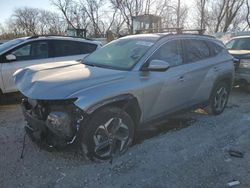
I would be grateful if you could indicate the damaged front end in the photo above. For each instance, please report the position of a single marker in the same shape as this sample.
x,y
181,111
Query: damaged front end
x,y
52,123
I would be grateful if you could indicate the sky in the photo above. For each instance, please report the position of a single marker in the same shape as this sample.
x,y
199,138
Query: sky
x,y
8,6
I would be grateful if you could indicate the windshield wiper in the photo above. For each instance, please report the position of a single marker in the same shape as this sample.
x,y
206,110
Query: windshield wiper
x,y
88,64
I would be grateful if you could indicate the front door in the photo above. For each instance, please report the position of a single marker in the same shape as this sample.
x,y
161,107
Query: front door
x,y
170,90
26,55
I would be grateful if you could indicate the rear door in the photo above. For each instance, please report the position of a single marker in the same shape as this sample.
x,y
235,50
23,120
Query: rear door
x,y
65,50
198,62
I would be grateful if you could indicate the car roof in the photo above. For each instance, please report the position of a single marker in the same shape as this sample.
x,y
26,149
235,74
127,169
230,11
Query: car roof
x,y
34,38
157,36
154,36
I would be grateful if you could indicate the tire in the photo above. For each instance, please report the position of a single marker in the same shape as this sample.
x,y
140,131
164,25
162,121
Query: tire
x,y
1,97
247,88
218,98
108,133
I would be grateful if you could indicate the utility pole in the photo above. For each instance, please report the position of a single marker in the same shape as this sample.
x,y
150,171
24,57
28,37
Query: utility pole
x,y
203,4
178,13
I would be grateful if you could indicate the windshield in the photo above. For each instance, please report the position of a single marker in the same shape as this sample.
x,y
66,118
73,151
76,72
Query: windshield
x,y
238,44
7,45
121,54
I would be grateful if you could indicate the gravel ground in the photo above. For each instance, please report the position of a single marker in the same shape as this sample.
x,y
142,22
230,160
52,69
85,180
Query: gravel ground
x,y
194,156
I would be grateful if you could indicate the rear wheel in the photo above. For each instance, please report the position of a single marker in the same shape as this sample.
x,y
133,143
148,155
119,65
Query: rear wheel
x,y
109,132
219,98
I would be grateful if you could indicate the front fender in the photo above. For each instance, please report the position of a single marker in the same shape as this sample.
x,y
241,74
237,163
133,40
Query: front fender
x,y
97,105
89,101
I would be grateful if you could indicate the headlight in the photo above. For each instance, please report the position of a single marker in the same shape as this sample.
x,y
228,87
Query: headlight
x,y
57,118
245,63
60,124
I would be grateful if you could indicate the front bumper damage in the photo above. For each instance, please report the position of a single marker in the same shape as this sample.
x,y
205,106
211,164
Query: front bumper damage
x,y
48,132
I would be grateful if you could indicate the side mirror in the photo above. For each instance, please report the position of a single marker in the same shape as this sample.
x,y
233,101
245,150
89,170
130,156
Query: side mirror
x,y
10,57
157,65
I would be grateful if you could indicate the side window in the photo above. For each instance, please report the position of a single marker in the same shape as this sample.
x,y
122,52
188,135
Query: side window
x,y
86,48
40,50
23,52
170,52
32,51
196,50
67,48
215,49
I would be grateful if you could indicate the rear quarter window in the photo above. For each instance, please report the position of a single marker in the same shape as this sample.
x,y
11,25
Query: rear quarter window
x,y
215,49
87,48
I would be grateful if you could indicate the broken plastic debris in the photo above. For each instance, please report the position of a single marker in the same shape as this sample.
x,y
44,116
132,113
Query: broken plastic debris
x,y
235,153
233,183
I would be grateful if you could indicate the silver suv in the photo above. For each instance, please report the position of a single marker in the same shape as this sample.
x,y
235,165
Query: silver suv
x,y
124,86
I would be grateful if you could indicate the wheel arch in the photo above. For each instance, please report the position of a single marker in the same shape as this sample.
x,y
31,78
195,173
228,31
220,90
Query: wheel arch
x,y
227,78
126,102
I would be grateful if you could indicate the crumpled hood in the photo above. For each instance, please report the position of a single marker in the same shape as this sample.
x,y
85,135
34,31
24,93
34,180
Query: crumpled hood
x,y
60,81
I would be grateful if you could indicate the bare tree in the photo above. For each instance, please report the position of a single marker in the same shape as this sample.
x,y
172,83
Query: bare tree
x,y
201,13
51,23
92,8
65,7
82,14
178,11
174,13
248,13
2,30
223,13
27,19
128,9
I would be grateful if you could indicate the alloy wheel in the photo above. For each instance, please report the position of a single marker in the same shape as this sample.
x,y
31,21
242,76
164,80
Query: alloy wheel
x,y
111,138
220,99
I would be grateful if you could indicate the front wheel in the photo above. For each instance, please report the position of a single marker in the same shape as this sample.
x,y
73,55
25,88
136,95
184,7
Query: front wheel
x,y
1,97
219,98
247,88
109,132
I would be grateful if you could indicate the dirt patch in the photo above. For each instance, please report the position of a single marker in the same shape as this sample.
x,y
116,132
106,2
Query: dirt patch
x,y
194,155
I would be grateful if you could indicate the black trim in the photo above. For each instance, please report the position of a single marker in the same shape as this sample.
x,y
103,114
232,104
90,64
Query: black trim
x,y
124,97
164,117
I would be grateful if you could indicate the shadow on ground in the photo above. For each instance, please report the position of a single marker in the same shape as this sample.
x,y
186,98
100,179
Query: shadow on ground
x,y
172,124
11,98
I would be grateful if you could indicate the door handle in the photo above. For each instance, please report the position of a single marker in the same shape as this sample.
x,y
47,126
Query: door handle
x,y
216,69
181,78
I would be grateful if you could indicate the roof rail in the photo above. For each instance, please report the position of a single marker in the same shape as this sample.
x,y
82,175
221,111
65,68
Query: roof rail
x,y
160,30
200,31
37,36
171,30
